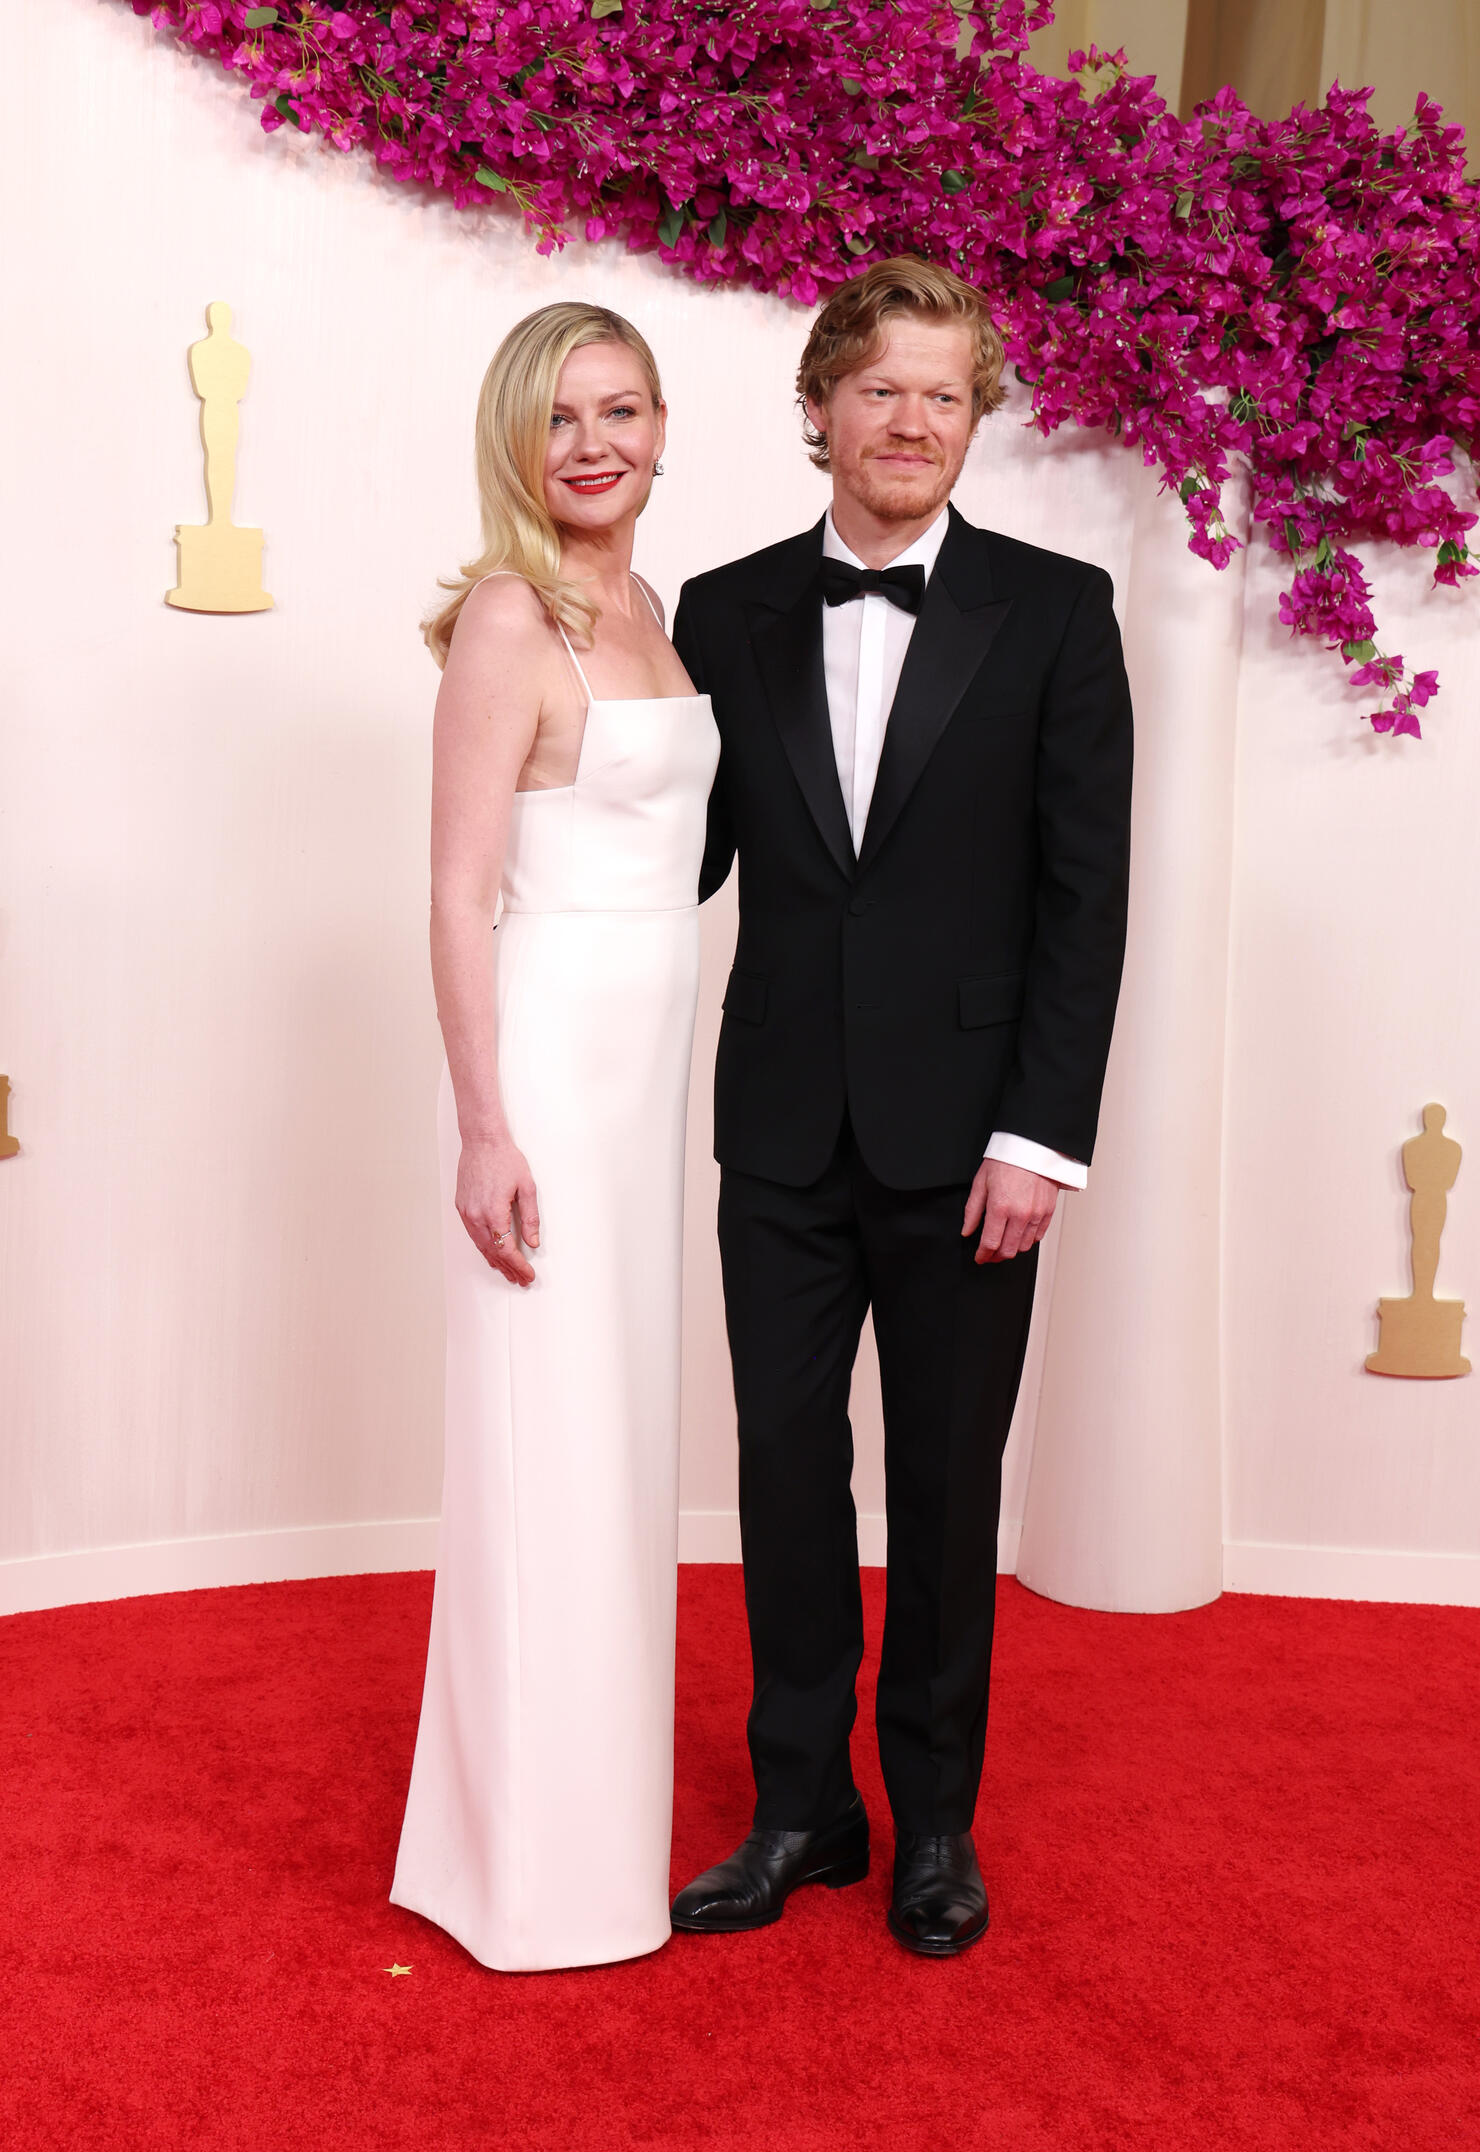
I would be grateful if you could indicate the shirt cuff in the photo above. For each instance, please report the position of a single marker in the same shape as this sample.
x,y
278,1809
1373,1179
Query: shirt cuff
x,y
1038,1158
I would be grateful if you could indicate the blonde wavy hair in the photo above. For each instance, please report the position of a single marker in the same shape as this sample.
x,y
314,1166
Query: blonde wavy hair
x,y
849,333
510,434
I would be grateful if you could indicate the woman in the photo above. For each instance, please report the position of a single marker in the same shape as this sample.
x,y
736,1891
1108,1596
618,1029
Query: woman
x,y
574,786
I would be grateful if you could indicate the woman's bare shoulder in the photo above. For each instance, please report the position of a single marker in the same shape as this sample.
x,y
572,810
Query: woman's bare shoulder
x,y
501,619
500,650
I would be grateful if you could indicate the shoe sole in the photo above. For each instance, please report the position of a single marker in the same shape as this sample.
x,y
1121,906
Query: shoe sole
x,y
923,1949
836,1877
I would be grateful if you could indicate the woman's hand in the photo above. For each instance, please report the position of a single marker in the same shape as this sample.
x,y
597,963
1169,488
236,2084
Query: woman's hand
x,y
497,1203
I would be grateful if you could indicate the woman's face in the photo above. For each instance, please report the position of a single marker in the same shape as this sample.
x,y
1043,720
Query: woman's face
x,y
605,437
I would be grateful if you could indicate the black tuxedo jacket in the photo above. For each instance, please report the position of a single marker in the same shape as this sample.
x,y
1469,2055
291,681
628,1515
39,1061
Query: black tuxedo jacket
x,y
960,974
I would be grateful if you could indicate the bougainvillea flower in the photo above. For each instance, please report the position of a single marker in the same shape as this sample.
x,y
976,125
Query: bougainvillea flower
x,y
1295,298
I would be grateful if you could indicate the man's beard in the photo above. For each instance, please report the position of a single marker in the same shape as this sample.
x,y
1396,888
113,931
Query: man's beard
x,y
900,499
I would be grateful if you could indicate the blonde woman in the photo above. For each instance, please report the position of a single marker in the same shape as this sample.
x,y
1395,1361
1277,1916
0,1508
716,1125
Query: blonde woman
x,y
572,762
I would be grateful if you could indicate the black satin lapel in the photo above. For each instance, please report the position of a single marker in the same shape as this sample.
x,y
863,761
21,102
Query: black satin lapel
x,y
788,651
946,650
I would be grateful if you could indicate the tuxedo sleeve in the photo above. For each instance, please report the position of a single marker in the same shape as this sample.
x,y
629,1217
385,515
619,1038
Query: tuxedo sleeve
x,y
719,841
1083,809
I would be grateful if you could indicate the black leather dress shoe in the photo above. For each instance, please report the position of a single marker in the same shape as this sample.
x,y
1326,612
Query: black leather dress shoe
x,y
751,1888
940,1900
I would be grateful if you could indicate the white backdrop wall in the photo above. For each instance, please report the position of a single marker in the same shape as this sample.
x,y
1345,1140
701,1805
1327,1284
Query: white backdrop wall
x,y
1354,998
219,1290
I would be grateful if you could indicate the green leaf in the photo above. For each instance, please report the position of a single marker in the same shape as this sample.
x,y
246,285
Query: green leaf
x,y
1060,289
852,85
288,109
855,245
1292,534
670,224
605,7
492,180
1188,487
718,225
1324,552
955,182
1358,653
260,18
1183,205
862,158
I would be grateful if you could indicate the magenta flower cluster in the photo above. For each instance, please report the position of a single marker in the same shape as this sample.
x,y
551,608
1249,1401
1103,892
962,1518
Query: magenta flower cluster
x,y
1300,298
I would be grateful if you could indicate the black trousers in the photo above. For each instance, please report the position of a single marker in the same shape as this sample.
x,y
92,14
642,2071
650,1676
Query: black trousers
x,y
801,1267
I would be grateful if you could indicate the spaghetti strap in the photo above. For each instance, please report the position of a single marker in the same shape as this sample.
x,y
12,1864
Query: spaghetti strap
x,y
569,648
570,653
585,683
580,675
642,586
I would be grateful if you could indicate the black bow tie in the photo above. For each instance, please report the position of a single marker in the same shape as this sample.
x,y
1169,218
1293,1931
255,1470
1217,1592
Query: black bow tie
x,y
904,587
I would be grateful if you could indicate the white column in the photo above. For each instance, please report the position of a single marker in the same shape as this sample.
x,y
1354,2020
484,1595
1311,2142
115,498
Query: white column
x,y
1124,1505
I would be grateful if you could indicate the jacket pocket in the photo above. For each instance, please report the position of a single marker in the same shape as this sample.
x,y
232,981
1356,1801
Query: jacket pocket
x,y
997,1000
745,997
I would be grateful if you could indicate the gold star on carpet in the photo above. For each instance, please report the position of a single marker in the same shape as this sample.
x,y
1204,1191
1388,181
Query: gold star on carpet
x,y
395,1971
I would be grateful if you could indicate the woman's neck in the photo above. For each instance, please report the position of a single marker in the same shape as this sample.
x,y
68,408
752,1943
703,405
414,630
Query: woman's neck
x,y
601,562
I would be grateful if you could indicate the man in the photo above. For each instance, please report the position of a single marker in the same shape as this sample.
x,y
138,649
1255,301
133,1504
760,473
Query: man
x,y
925,772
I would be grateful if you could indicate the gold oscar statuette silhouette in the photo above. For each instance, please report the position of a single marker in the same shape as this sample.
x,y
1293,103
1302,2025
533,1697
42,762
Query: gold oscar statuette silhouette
x,y
9,1144
1421,1335
220,561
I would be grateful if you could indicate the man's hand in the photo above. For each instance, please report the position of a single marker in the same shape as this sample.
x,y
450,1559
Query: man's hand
x,y
1012,1206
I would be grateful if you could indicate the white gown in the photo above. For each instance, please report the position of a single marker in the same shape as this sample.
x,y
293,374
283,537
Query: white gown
x,y
538,1822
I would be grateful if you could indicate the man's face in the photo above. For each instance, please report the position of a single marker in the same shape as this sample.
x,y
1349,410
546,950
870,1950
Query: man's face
x,y
898,427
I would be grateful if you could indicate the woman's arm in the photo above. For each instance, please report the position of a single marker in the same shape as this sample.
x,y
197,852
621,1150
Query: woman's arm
x,y
486,719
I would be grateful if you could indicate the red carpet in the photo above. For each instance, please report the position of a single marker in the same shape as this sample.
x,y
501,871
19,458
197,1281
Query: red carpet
x,y
1232,1854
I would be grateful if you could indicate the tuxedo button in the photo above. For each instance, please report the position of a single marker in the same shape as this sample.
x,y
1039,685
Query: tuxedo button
x,y
857,906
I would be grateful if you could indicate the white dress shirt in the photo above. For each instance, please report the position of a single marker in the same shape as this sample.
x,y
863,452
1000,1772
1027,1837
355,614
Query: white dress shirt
x,y
863,651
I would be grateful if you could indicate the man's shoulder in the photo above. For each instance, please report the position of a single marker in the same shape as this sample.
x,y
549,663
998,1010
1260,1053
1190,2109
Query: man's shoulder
x,y
760,574
1015,565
